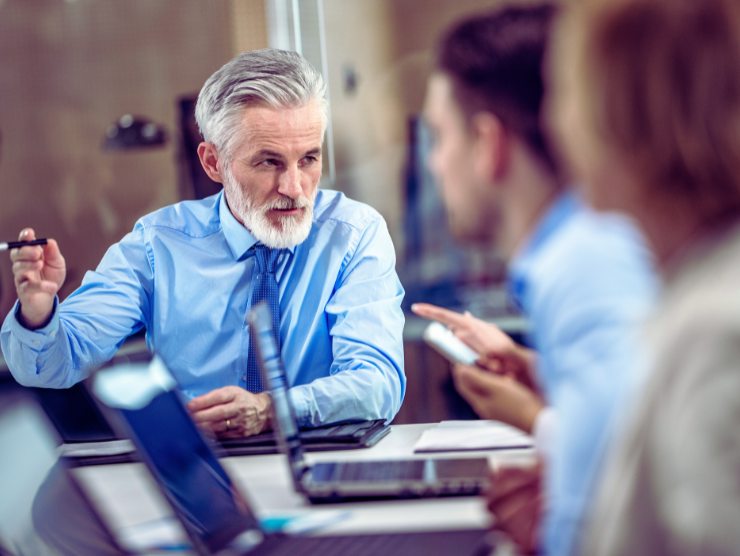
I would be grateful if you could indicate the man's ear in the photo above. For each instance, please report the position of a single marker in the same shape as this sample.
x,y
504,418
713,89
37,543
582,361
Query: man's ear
x,y
208,156
491,145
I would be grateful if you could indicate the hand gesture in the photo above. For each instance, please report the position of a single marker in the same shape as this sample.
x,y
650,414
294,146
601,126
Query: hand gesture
x,y
498,397
38,273
498,352
231,412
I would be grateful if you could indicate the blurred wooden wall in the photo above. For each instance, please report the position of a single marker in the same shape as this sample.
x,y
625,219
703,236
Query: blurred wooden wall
x,y
68,69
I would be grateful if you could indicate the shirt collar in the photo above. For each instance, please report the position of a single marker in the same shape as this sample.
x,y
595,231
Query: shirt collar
x,y
520,268
238,237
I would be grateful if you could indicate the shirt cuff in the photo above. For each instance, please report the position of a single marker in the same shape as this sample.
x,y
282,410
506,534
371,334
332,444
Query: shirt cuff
x,y
35,339
299,396
545,429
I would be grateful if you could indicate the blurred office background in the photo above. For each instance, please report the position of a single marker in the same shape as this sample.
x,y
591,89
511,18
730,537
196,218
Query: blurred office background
x,y
97,130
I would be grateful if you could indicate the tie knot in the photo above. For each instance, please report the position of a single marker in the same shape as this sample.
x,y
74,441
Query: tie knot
x,y
267,258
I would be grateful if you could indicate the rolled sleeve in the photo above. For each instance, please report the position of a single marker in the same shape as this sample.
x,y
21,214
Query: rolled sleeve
x,y
34,339
305,410
22,347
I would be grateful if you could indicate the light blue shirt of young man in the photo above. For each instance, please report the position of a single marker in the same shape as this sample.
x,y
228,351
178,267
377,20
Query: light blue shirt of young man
x,y
185,274
585,282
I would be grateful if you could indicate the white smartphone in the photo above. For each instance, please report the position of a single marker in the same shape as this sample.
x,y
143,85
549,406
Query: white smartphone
x,y
447,344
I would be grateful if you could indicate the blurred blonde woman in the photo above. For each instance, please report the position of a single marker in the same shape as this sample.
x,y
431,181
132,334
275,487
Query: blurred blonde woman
x,y
647,102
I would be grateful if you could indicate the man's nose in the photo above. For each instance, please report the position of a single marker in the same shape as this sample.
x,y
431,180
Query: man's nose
x,y
289,183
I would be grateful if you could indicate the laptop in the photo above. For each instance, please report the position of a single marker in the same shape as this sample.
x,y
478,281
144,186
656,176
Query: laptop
x,y
144,403
347,481
43,508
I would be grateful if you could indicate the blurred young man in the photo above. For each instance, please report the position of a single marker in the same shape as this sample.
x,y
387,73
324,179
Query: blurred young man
x,y
583,280
647,100
190,272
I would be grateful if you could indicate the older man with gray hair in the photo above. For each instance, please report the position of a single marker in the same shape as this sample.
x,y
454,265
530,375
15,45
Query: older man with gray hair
x,y
189,273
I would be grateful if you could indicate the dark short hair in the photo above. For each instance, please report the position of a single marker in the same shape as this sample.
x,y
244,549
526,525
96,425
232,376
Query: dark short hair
x,y
494,61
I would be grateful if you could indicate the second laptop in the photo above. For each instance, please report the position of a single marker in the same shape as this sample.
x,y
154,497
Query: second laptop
x,y
354,480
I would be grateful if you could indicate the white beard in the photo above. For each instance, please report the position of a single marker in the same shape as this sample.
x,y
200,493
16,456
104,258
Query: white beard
x,y
291,230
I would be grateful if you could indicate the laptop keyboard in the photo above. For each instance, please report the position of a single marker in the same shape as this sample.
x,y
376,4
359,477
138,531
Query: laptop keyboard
x,y
379,471
459,543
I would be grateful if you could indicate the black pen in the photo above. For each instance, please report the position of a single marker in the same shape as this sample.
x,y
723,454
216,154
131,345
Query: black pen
x,y
17,244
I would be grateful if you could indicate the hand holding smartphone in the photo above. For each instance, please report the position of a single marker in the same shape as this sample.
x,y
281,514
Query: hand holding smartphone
x,y
448,345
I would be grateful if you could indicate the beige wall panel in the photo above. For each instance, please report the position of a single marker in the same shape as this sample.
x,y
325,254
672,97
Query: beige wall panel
x,y
249,25
68,69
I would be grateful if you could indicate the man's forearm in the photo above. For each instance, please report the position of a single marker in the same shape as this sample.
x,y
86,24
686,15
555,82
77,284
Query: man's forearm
x,y
352,394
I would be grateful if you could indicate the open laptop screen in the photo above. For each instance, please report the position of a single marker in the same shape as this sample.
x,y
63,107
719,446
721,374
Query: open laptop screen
x,y
274,378
29,456
42,508
198,488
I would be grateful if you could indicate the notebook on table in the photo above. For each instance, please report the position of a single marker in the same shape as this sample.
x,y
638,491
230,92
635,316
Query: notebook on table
x,y
335,436
347,481
88,439
145,404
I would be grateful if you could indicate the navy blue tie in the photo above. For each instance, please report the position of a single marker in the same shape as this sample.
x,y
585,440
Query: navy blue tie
x,y
264,288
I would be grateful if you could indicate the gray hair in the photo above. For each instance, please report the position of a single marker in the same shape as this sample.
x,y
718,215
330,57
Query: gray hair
x,y
278,78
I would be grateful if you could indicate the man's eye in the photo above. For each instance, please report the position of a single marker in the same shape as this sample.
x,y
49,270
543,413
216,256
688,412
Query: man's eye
x,y
270,162
311,159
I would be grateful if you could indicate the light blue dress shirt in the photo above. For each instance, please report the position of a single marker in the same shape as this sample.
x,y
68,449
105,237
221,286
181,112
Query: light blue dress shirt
x,y
185,274
586,283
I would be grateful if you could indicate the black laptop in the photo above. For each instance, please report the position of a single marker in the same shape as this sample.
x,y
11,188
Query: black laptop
x,y
218,519
345,481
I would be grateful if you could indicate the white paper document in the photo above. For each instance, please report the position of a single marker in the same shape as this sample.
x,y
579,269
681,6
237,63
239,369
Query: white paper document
x,y
94,449
449,436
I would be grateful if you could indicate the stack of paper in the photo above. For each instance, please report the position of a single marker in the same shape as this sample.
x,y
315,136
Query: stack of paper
x,y
96,449
450,436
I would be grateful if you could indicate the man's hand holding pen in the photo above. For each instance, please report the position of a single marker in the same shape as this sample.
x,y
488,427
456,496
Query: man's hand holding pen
x,y
38,272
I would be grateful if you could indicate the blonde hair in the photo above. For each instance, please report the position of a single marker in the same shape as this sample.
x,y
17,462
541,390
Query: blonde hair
x,y
662,79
